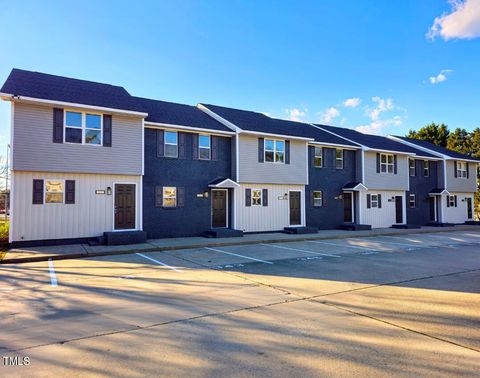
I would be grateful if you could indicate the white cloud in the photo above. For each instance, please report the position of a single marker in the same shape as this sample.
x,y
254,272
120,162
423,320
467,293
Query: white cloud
x,y
442,76
462,23
377,126
296,114
351,102
382,105
329,114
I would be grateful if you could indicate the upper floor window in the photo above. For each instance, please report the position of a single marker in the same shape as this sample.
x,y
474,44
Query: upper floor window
x,y
274,151
461,169
339,158
171,144
426,168
318,157
411,167
386,163
83,128
317,198
256,197
204,147
54,191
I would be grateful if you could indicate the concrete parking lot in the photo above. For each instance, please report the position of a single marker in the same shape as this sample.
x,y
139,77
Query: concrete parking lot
x,y
392,306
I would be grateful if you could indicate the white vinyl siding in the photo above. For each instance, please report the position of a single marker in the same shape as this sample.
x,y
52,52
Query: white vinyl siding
x,y
456,214
374,180
381,217
456,184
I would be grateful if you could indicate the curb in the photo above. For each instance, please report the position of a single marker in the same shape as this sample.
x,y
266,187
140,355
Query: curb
x,y
346,235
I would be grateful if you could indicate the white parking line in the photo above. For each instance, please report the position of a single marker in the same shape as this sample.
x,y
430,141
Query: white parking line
x,y
404,244
159,262
342,245
53,276
235,254
300,250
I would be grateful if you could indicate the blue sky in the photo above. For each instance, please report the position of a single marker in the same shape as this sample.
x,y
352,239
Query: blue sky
x,y
291,59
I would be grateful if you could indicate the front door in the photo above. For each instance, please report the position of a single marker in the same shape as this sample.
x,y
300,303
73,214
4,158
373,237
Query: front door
x,y
295,215
433,212
469,208
347,208
219,208
398,209
124,206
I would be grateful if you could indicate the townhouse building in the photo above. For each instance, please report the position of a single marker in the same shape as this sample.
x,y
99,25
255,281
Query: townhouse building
x,y
89,159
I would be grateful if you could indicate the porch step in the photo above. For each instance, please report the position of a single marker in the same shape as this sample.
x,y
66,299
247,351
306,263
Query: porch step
x,y
405,226
354,227
222,233
125,237
439,224
300,230
473,223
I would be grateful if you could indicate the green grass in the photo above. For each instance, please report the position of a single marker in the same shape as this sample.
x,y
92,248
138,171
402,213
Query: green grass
x,y
4,228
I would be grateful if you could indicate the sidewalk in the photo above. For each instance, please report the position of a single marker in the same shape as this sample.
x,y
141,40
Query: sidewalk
x,y
73,251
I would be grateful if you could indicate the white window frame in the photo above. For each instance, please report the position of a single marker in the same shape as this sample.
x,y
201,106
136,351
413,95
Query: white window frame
x,y
45,191
84,127
410,167
412,198
374,201
461,169
386,166
260,197
337,159
165,143
174,197
275,141
209,148
315,157
318,199
426,168
451,201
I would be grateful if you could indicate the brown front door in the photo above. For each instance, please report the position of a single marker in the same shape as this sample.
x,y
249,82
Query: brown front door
x,y
219,208
124,206
347,208
295,216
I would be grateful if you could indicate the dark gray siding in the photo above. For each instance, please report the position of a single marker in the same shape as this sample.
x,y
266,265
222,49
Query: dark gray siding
x,y
421,186
330,181
194,175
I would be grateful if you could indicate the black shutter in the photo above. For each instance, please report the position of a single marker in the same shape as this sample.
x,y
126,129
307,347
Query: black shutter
x,y
180,196
160,144
448,201
57,125
158,196
455,168
260,150
415,164
37,192
379,201
378,163
69,191
107,130
312,202
369,201
264,197
195,146
324,198
214,141
455,200
182,148
468,171
287,152
248,197
394,164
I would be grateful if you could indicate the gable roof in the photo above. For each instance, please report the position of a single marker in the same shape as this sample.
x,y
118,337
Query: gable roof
x,y
179,114
438,149
375,142
260,123
63,89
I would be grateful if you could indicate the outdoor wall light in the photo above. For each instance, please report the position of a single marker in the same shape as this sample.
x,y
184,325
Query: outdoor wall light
x,y
340,196
109,191
205,194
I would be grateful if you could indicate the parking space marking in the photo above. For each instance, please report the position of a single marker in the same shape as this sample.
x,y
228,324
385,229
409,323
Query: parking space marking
x,y
403,244
342,245
236,254
160,263
53,276
300,250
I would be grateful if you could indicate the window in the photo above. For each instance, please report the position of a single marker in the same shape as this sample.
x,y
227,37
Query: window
x,y
426,168
461,169
83,128
54,191
169,196
171,144
318,158
274,151
317,198
386,163
339,158
256,197
412,201
374,200
451,201
411,167
204,147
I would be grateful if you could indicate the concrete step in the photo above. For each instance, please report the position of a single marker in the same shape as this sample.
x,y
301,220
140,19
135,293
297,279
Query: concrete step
x,y
354,227
222,233
125,237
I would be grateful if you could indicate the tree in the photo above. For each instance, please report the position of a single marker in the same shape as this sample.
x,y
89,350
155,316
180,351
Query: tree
x,y
460,141
433,133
